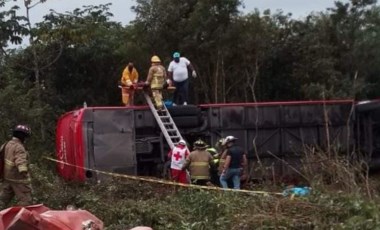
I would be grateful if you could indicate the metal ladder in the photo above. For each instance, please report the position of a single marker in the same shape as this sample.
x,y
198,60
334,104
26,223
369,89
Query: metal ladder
x,y
166,123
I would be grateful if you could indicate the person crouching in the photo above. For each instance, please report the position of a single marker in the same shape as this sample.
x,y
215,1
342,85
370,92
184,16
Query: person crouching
x,y
199,162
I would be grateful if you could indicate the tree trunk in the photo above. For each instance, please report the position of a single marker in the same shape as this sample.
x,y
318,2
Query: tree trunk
x,y
36,70
216,78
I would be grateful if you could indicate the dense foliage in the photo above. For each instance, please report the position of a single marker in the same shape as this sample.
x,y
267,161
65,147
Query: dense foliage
x,y
123,204
78,56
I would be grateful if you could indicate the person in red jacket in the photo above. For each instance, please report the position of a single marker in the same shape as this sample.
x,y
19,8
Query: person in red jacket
x,y
178,157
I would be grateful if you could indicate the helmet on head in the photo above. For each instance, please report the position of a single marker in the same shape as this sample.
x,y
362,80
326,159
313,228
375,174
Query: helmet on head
x,y
155,59
182,142
176,55
229,139
23,129
199,144
221,141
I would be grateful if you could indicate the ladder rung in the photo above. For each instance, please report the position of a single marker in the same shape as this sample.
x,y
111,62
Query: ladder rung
x,y
165,121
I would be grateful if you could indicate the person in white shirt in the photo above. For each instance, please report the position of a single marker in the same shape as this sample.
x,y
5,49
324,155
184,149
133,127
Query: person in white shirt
x,y
178,73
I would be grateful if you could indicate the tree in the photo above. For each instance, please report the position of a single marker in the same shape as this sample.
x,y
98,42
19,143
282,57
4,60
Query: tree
x,y
196,28
11,27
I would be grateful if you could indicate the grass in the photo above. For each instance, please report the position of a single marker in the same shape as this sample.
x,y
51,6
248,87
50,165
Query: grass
x,y
122,204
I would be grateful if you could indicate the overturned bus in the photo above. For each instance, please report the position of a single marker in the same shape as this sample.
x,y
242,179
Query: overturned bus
x,y
128,140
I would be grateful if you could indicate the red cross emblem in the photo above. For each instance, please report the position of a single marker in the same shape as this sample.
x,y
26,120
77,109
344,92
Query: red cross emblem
x,y
177,156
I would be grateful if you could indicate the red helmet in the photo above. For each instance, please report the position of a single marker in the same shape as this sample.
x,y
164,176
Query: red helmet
x,y
24,129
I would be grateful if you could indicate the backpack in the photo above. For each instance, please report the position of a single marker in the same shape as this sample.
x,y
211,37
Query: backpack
x,y
2,155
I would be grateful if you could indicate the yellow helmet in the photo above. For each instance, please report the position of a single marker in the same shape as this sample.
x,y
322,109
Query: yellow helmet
x,y
155,58
199,144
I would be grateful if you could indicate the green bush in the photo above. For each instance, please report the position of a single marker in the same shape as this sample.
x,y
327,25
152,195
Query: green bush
x,y
122,204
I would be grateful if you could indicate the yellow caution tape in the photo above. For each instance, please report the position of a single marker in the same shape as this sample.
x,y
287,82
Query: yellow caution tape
x,y
165,182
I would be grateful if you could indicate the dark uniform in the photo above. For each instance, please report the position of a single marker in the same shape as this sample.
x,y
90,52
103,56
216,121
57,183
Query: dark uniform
x,y
236,160
17,182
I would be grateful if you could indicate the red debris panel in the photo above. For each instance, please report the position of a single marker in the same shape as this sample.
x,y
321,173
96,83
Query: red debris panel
x,y
39,217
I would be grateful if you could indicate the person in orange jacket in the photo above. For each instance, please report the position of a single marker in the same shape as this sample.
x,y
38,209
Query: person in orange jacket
x,y
128,81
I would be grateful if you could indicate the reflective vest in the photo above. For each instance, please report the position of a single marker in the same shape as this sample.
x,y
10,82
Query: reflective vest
x,y
158,77
16,162
199,163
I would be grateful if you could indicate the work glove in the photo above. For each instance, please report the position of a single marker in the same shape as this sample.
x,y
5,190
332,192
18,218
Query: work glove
x,y
194,74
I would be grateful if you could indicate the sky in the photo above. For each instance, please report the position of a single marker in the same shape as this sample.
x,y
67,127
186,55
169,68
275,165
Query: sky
x,y
121,9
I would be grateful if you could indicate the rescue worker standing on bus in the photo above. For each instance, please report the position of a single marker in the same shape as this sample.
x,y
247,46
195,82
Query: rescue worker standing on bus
x,y
17,181
178,72
129,80
157,79
199,162
178,157
236,160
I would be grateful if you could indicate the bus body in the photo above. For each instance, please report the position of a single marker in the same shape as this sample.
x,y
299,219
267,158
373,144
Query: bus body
x,y
128,140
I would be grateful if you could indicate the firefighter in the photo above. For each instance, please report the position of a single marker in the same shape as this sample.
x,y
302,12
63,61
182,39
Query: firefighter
x,y
214,177
17,182
178,157
129,80
156,79
199,162
236,160
221,146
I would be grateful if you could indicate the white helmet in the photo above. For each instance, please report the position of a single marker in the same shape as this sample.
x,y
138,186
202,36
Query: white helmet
x,y
182,142
228,139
